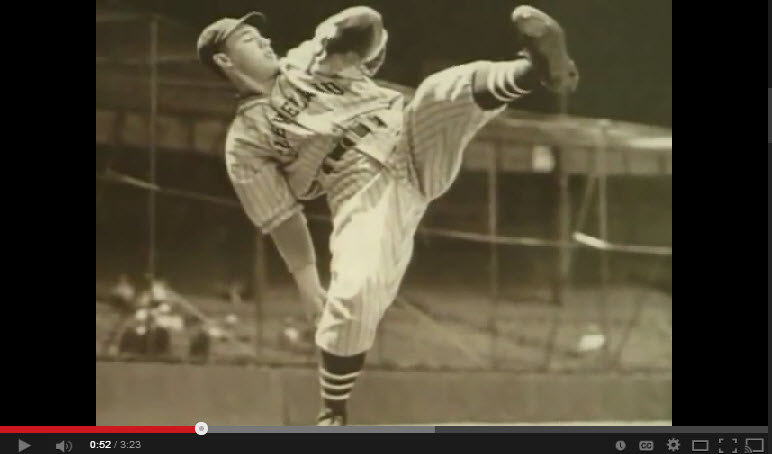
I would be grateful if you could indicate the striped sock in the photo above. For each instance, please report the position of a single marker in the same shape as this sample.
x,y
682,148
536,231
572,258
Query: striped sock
x,y
336,379
500,83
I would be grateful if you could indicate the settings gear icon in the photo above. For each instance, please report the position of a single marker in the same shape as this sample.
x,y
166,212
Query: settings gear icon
x,y
673,444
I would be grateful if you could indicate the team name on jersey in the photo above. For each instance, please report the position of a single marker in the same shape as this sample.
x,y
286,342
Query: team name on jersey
x,y
288,111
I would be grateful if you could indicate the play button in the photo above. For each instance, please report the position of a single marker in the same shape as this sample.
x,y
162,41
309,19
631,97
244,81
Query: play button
x,y
23,445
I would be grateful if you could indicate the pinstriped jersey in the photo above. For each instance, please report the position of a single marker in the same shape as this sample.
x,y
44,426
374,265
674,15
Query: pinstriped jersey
x,y
279,142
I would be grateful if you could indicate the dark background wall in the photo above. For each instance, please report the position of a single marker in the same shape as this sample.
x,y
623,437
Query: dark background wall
x,y
201,246
623,48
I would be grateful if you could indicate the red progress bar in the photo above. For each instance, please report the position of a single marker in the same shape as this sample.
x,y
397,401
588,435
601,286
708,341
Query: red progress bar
x,y
98,429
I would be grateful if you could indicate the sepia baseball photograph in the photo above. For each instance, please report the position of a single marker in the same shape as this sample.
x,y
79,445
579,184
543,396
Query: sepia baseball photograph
x,y
383,213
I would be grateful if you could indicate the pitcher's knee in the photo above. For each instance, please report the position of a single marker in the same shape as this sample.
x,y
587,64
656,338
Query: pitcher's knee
x,y
334,341
449,85
345,337
462,73
346,328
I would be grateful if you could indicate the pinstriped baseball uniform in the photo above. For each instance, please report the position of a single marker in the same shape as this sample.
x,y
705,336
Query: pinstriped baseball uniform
x,y
277,144
283,148
373,232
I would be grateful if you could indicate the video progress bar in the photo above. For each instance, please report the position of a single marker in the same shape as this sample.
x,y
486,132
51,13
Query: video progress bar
x,y
496,429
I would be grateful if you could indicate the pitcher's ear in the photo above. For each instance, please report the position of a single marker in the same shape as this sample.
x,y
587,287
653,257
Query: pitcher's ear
x,y
222,60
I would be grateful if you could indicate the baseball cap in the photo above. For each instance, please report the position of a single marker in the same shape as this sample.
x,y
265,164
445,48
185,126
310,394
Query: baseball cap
x,y
212,38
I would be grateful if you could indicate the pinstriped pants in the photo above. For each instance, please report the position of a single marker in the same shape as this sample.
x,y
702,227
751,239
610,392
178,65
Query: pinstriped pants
x,y
374,229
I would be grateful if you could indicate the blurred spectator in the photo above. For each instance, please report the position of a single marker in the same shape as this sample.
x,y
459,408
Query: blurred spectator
x,y
235,291
133,340
144,334
200,341
144,297
231,320
296,335
159,291
123,293
155,293
160,341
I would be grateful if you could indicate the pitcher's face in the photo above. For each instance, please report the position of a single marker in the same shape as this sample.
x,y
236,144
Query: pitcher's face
x,y
251,54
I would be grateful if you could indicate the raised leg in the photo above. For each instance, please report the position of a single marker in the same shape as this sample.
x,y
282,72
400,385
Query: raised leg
x,y
451,106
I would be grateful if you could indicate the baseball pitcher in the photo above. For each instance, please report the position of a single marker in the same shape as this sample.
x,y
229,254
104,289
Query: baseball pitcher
x,y
314,123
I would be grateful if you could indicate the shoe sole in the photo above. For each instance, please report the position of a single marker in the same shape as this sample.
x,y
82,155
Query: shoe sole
x,y
545,38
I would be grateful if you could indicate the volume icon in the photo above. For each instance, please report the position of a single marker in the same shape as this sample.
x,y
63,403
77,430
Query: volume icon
x,y
64,446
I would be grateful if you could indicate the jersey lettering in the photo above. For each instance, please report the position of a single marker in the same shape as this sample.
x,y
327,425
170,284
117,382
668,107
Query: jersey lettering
x,y
278,132
329,88
288,109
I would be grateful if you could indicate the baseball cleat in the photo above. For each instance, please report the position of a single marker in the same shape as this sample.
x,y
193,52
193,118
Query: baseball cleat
x,y
545,41
329,418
